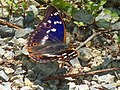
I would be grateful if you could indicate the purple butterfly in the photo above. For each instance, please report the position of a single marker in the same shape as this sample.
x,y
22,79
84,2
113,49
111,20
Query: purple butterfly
x,y
47,42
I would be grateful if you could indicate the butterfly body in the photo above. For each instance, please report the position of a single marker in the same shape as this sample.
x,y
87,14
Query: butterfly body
x,y
47,42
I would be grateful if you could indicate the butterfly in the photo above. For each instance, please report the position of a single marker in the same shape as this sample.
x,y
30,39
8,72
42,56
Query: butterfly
x,y
48,41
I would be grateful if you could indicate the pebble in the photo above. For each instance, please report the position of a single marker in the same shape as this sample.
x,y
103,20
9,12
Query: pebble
x,y
82,87
17,81
85,54
8,70
3,76
2,51
22,41
5,86
108,86
1,61
9,55
26,88
19,70
106,78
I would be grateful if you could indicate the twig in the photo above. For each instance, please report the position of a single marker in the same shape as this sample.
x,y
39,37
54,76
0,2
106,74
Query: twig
x,y
59,77
95,34
90,38
10,24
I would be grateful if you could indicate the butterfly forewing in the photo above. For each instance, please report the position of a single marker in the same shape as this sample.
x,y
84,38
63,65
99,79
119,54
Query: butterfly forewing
x,y
50,30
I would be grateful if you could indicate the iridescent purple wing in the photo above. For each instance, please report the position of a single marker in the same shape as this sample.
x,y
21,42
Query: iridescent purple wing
x,y
47,42
50,30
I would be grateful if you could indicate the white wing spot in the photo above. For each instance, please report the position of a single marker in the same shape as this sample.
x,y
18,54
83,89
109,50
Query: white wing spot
x,y
59,58
44,39
51,14
65,57
36,31
60,22
49,21
53,30
40,26
74,55
55,22
56,13
64,54
48,31
30,41
31,38
44,24
33,34
71,54
49,55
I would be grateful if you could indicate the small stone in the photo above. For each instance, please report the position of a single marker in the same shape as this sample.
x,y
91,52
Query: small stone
x,y
9,55
6,31
94,88
82,87
69,78
25,51
95,85
85,54
86,82
96,61
118,88
17,20
17,81
118,83
75,62
33,9
86,69
23,32
3,76
26,88
9,70
1,61
96,53
28,82
19,71
22,41
40,88
106,78
2,51
108,86
5,86
71,85
2,41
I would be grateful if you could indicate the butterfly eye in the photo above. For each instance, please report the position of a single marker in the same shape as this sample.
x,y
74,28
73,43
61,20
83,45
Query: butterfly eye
x,y
47,25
